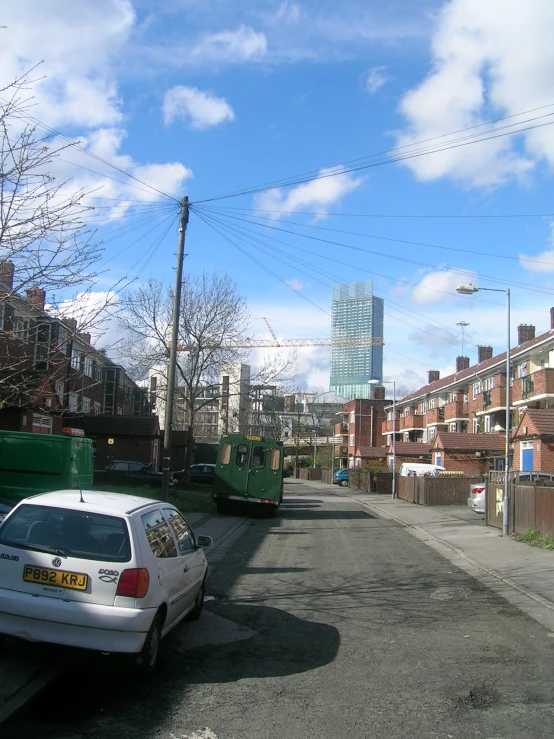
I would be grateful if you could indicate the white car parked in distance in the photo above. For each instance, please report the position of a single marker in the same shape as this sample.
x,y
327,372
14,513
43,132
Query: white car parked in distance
x,y
100,571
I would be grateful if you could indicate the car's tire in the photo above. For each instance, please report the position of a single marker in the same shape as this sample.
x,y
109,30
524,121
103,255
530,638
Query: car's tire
x,y
196,612
344,483
148,657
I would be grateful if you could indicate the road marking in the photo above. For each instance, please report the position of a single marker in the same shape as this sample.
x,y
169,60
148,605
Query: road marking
x,y
202,734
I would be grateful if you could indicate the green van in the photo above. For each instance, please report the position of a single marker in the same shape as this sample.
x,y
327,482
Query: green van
x,y
249,470
40,463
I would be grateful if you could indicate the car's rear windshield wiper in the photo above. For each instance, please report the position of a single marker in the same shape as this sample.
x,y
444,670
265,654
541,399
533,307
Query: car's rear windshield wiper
x,y
46,550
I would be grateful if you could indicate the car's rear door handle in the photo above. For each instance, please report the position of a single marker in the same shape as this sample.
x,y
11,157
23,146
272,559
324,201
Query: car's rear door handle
x,y
186,568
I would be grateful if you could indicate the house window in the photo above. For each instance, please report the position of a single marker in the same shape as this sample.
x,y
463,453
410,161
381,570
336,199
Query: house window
x,y
476,389
431,402
2,314
487,424
475,426
98,372
351,439
73,402
85,405
352,416
59,388
406,412
490,382
75,359
20,328
432,432
453,427
87,366
406,436
41,424
522,369
62,340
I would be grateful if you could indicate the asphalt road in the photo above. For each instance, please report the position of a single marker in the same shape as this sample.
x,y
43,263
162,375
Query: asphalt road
x,y
330,623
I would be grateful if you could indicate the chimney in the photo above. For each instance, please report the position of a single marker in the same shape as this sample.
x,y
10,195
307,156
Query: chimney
x,y
433,376
379,392
552,318
36,297
525,332
484,353
85,337
462,363
7,270
71,323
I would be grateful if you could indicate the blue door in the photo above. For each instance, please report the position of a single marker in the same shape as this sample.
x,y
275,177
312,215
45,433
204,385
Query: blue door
x,y
527,460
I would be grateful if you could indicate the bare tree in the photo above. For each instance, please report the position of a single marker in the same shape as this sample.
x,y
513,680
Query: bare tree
x,y
45,245
214,320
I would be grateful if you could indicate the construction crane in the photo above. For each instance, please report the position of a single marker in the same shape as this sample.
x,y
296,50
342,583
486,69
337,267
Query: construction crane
x,y
275,343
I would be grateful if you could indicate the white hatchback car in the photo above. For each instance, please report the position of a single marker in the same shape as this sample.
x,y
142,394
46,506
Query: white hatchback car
x,y
101,571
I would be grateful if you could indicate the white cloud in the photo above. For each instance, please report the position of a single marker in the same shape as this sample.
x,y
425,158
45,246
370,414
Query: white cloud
x,y
241,45
375,79
79,43
202,109
295,284
543,262
437,286
288,12
489,59
318,194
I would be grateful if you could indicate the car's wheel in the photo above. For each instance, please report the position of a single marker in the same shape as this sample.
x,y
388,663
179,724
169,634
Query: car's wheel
x,y
148,657
344,483
196,612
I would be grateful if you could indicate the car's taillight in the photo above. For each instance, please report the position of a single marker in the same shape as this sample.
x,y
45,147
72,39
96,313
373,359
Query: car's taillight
x,y
133,583
477,491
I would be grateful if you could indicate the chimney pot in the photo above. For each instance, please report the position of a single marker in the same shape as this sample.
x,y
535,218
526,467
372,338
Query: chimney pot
x,y
462,363
85,337
433,376
7,270
37,297
525,332
71,323
484,353
379,392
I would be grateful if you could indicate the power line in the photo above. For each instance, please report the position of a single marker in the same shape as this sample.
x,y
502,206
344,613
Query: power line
x,y
341,169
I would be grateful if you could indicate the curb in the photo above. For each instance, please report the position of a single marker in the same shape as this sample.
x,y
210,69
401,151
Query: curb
x,y
423,534
26,693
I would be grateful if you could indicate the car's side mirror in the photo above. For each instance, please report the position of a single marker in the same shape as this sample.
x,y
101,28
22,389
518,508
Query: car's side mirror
x,y
204,541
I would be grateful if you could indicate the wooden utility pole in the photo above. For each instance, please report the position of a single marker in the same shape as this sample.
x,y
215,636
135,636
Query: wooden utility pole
x,y
172,366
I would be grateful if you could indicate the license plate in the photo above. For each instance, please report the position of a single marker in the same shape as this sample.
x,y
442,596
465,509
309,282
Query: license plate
x,y
71,580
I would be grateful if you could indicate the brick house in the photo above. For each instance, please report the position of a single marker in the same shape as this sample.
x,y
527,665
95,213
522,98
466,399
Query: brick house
x,y
360,428
49,369
409,451
472,400
376,456
533,441
472,454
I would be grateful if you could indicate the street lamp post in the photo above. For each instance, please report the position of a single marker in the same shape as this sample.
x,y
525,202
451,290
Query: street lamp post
x,y
393,383
469,290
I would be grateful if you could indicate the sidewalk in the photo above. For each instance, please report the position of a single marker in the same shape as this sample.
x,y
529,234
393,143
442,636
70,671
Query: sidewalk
x,y
522,574
25,669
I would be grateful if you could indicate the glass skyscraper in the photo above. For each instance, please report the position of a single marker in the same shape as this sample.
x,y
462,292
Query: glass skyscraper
x,y
358,314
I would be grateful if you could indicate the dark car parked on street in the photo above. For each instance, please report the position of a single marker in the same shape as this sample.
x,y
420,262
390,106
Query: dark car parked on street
x,y
203,473
129,472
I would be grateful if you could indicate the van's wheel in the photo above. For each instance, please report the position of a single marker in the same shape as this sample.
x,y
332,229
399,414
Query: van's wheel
x,y
344,483
222,506
196,612
149,656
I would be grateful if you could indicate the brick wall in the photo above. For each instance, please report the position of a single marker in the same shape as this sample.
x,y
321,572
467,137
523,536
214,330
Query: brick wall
x,y
467,463
362,426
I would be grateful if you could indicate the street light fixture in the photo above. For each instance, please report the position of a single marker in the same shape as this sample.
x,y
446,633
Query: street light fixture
x,y
393,383
469,290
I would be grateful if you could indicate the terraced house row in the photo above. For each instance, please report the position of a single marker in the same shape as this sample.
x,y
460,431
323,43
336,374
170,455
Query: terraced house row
x,y
472,401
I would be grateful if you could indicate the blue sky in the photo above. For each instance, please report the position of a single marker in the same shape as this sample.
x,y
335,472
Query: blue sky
x,y
210,98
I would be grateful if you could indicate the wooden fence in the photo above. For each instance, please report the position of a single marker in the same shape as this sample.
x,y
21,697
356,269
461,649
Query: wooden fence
x,y
531,506
435,491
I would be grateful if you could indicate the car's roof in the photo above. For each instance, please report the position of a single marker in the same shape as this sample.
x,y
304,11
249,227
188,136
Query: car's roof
x,y
94,500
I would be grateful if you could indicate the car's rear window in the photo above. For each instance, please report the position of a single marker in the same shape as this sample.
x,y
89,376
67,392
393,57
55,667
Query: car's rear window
x,y
72,533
